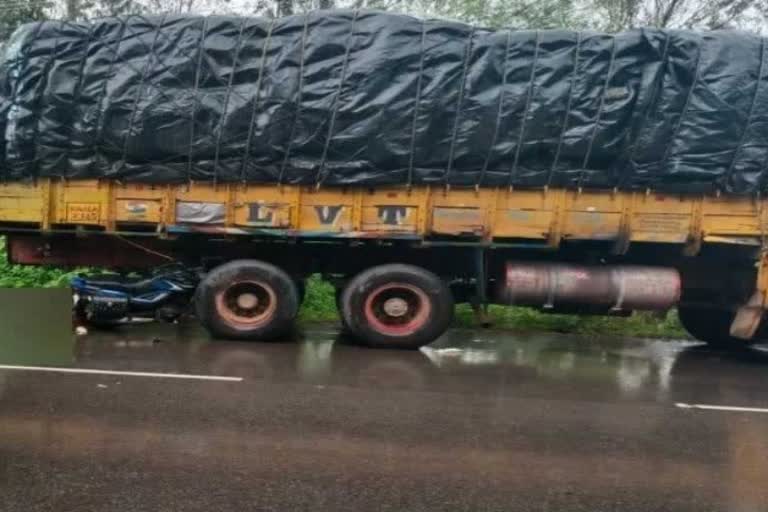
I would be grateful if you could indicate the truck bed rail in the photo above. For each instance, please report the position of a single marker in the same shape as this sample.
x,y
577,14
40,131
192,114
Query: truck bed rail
x,y
484,216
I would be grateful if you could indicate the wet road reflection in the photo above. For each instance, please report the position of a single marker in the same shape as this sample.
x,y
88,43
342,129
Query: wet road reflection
x,y
480,420
464,360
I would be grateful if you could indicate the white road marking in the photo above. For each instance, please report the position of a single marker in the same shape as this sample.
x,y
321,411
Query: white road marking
x,y
730,408
87,371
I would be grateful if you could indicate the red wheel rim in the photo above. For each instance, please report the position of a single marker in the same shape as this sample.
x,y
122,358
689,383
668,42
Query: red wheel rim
x,y
246,304
397,309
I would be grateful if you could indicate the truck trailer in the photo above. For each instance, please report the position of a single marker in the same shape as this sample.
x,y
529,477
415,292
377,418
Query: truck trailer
x,y
414,164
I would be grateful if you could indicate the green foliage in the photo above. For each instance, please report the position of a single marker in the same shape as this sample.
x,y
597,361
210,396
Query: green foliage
x,y
490,13
99,8
17,12
319,302
615,15
539,14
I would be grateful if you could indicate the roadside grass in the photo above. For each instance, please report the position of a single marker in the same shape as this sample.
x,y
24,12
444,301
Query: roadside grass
x,y
320,306
639,324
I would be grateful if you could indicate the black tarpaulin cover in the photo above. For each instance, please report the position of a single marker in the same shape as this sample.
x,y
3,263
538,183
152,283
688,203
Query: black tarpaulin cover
x,y
369,98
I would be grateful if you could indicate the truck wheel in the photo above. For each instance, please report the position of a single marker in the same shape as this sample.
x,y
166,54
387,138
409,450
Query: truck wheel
x,y
711,326
397,306
247,299
338,292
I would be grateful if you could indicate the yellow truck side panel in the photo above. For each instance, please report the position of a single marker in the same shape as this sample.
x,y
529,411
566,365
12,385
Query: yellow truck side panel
x,y
19,203
485,215
726,216
660,218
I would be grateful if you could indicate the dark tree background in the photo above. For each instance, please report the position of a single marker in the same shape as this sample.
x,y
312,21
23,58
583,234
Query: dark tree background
x,y
609,15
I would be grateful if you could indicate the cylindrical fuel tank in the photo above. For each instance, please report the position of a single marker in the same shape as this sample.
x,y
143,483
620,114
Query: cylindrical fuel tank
x,y
617,287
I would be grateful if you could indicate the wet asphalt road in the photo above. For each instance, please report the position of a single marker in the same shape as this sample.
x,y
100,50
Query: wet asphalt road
x,y
481,420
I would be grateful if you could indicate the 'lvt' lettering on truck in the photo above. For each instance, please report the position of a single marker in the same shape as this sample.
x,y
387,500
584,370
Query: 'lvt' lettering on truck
x,y
328,214
257,213
393,215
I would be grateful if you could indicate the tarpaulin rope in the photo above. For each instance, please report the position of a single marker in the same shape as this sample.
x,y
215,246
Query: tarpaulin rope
x,y
600,110
299,99
459,105
631,150
256,97
140,89
335,102
103,92
79,84
412,149
220,131
499,110
38,104
689,96
196,97
568,107
528,101
743,138
166,94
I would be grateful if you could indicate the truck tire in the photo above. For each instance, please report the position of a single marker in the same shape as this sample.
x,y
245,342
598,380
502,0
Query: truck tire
x,y
710,325
397,306
338,292
247,300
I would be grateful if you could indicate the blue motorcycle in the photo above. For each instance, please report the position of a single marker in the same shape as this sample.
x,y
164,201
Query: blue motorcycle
x,y
107,300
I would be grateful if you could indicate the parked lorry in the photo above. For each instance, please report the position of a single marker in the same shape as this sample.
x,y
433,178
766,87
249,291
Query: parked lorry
x,y
413,164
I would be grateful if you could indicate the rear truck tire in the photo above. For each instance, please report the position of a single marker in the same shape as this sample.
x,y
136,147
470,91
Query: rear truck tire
x,y
338,293
247,300
711,325
396,306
